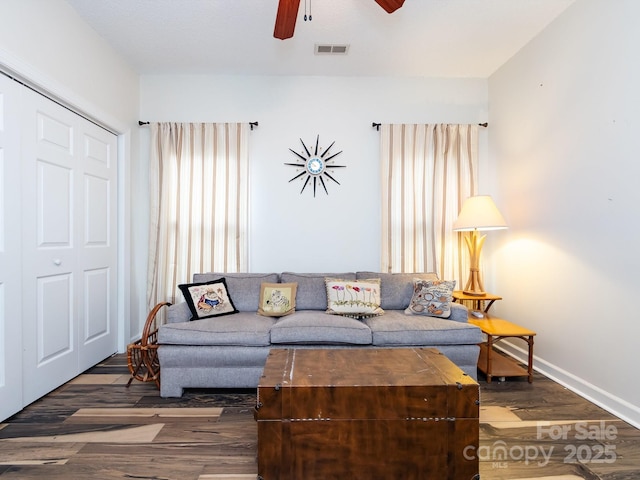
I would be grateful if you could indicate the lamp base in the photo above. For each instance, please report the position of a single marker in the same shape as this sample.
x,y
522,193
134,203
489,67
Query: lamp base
x,y
474,284
474,293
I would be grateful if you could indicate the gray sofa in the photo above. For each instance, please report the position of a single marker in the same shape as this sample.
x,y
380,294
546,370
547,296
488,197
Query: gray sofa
x,y
230,351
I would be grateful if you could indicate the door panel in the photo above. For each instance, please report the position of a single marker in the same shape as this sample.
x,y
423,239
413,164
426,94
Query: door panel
x,y
54,322
10,261
96,212
69,249
50,355
97,305
53,192
56,132
97,251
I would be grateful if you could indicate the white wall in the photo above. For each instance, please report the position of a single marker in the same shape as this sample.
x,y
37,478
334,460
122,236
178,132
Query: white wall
x,y
292,231
46,39
46,43
564,146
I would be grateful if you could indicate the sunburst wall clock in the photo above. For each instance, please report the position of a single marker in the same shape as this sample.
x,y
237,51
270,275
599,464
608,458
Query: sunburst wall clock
x,y
315,167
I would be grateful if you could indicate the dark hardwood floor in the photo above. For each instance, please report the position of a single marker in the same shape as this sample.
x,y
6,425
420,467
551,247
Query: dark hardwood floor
x,y
94,427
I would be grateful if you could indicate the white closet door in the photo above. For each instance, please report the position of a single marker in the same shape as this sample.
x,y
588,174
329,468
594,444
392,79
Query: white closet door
x,y
97,245
69,247
10,261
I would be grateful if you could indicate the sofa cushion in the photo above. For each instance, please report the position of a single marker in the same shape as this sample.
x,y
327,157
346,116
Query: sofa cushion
x,y
178,312
312,293
277,299
395,328
244,288
243,329
431,298
353,298
396,289
314,327
209,299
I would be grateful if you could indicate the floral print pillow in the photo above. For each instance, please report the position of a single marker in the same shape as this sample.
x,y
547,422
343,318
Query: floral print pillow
x,y
353,298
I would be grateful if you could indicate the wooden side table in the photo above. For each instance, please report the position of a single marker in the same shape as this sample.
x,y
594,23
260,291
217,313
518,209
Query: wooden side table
x,y
496,365
460,296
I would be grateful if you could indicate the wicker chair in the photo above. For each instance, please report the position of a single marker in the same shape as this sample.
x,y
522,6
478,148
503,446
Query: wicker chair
x,y
142,355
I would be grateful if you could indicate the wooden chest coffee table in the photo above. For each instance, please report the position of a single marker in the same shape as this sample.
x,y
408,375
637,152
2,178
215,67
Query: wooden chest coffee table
x,y
405,413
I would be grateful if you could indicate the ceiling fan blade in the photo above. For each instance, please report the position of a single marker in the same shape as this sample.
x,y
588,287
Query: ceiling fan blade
x,y
286,19
390,5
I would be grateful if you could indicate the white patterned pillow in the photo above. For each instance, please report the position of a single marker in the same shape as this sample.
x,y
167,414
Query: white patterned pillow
x,y
432,298
353,298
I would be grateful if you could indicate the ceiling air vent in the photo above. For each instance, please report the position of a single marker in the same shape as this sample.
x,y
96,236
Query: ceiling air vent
x,y
331,49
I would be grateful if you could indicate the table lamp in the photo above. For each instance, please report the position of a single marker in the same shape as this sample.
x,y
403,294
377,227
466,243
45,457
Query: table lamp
x,y
477,213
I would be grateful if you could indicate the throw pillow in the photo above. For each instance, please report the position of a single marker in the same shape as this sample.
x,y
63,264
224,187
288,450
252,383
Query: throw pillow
x,y
354,298
210,299
277,299
432,298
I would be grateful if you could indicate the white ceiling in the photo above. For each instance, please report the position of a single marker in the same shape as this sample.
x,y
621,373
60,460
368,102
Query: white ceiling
x,y
430,38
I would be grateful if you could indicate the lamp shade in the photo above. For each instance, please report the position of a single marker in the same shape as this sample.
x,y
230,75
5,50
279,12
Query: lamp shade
x,y
479,213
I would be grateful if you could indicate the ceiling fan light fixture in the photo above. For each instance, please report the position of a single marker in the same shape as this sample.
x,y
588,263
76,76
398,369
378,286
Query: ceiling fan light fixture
x,y
288,11
390,6
328,49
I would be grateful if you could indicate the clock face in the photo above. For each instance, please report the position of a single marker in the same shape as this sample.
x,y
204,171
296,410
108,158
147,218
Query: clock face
x,y
314,168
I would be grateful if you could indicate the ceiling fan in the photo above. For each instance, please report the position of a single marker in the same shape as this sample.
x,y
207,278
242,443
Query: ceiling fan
x,y
288,12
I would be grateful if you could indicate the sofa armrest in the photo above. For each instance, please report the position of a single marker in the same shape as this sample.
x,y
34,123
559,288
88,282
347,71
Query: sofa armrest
x,y
459,313
178,313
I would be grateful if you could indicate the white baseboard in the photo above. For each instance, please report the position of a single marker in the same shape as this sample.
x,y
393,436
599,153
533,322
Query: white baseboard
x,y
612,404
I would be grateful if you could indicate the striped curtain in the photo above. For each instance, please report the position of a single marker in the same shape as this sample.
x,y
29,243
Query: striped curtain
x,y
427,173
199,198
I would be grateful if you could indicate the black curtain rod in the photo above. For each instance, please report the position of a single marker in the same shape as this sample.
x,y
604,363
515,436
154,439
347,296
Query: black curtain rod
x,y
377,125
251,124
